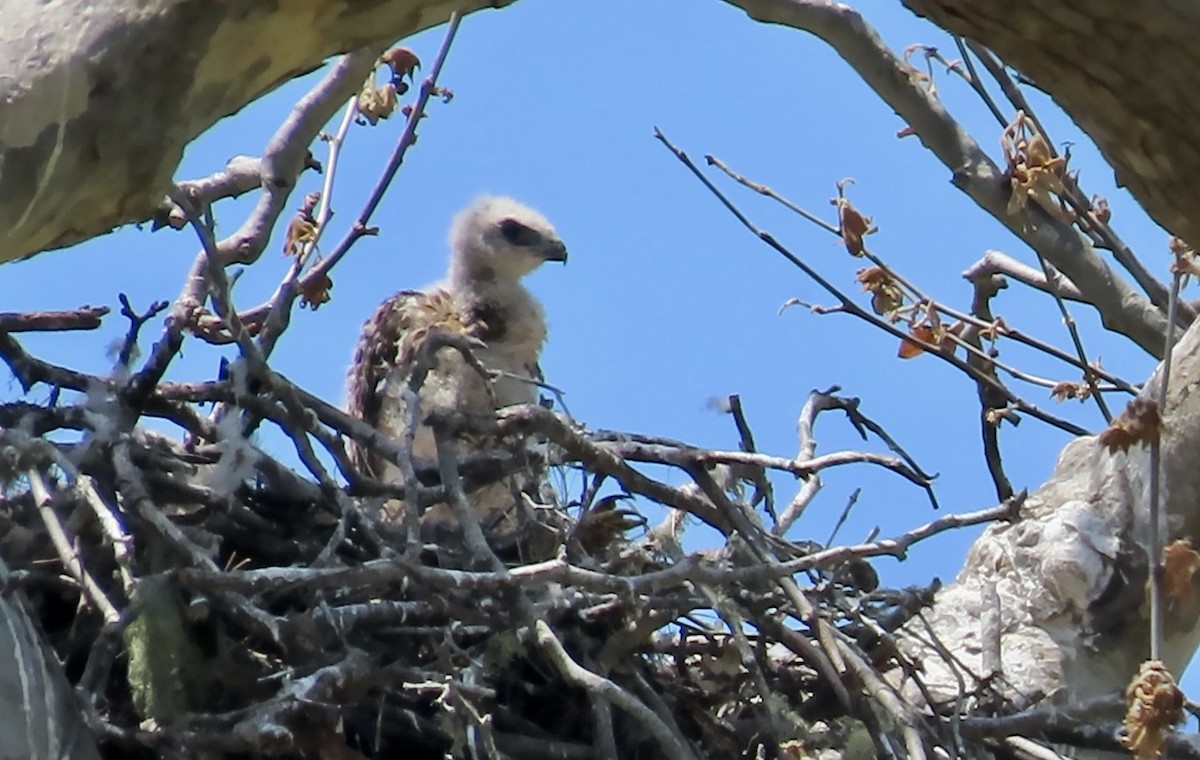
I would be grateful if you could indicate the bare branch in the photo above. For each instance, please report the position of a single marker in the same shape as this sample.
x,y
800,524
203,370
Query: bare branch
x,y
673,746
83,318
1121,309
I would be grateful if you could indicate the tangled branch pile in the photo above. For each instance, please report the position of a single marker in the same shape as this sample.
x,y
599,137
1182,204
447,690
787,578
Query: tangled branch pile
x,y
205,597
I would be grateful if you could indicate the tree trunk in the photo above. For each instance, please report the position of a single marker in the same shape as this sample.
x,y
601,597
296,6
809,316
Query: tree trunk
x,y
98,99
1070,575
39,717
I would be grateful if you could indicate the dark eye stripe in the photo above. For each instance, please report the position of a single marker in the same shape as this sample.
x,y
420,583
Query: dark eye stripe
x,y
518,234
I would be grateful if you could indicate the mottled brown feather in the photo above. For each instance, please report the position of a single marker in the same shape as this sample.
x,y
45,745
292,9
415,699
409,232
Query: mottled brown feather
x,y
482,298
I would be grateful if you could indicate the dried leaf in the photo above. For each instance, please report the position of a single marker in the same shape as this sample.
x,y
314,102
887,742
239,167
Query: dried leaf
x,y
853,226
1185,257
1068,390
375,103
1155,703
1037,151
886,295
301,231
402,61
315,292
1033,170
930,333
1139,423
1180,563
1041,184
908,348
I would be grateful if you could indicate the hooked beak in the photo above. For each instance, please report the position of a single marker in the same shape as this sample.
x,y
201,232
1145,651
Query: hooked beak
x,y
555,251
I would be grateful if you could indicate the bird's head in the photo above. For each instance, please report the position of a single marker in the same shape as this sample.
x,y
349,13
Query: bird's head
x,y
497,238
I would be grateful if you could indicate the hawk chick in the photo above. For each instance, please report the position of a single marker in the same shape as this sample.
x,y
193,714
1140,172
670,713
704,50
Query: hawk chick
x,y
494,242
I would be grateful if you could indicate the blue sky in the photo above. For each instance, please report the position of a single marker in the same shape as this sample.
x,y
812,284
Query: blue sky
x,y
667,301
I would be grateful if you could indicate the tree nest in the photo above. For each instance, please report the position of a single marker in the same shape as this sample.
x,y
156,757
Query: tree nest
x,y
205,598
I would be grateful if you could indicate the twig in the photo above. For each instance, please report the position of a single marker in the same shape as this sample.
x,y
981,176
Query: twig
x,y
278,315
240,175
30,371
1157,514
468,521
672,746
1051,274
991,658
998,262
762,485
70,559
1121,308
604,741
976,83
804,495
993,407
408,136
688,456
842,517
412,403
360,227
1019,270
83,318
285,156
136,321
1154,289
848,305
287,153
1089,377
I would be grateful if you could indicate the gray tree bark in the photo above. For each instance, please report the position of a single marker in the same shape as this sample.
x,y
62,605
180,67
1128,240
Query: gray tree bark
x,y
1123,71
98,99
39,717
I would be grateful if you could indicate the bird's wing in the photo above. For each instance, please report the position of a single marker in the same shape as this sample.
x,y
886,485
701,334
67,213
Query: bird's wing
x,y
388,342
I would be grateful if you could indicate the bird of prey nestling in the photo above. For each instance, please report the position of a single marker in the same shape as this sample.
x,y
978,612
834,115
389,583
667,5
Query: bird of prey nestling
x,y
494,243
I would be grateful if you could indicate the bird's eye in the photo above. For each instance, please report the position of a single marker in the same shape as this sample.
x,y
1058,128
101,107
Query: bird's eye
x,y
518,234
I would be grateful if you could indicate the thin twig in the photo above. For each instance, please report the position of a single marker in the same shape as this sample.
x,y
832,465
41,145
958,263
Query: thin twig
x,y
842,517
854,309
1157,513
672,746
67,554
1155,290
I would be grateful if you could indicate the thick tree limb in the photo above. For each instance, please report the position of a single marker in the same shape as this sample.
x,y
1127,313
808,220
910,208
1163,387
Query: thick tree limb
x,y
1124,73
98,100
1121,308
1071,573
